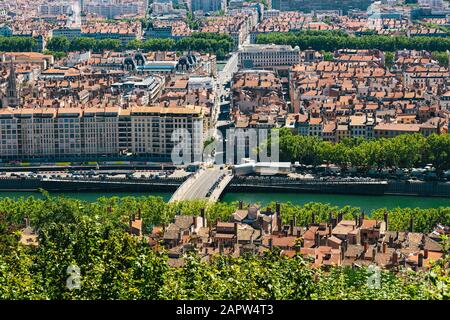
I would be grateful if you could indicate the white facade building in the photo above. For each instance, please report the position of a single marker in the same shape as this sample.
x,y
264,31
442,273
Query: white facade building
x,y
268,55
68,133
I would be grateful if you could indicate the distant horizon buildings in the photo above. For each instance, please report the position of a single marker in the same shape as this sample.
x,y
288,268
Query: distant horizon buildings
x,y
308,5
111,9
208,5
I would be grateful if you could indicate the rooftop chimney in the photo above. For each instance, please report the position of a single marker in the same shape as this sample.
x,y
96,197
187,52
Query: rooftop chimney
x,y
292,227
139,214
395,257
235,229
202,214
241,205
313,218
420,260
330,229
425,253
278,208
195,222
279,222
384,247
411,225
386,219
366,246
316,239
374,253
270,243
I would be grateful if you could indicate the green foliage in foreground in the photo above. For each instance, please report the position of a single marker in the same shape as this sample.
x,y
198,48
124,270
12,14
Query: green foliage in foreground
x,y
115,265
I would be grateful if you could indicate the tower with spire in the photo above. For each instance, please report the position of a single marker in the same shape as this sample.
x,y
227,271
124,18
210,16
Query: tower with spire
x,y
12,92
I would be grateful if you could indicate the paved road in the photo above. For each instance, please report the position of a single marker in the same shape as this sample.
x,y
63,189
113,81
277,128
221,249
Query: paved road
x,y
198,187
202,184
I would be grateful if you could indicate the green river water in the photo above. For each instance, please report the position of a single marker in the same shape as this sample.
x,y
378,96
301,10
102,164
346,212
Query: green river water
x,y
366,203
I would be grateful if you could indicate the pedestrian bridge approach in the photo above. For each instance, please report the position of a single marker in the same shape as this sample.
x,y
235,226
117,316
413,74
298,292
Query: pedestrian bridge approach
x,y
206,183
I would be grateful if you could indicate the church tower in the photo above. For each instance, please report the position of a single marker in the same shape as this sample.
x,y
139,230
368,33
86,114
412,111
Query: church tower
x,y
12,94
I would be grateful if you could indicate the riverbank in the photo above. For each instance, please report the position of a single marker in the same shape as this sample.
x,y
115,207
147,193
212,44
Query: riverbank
x,y
248,184
366,203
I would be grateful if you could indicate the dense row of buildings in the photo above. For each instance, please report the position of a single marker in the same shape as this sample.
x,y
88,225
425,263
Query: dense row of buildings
x,y
353,95
105,105
336,242
70,133
331,96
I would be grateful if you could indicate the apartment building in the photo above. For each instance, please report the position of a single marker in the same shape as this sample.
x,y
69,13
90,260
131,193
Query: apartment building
x,y
112,10
69,33
55,8
208,5
66,133
390,130
425,76
361,126
268,55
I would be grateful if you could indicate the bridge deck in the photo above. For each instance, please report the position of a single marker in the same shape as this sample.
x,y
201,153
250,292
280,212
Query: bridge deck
x,y
202,185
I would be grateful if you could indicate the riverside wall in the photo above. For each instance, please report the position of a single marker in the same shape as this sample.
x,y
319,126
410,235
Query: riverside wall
x,y
247,184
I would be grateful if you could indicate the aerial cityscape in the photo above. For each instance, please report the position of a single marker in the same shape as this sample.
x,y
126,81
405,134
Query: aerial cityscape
x,y
224,150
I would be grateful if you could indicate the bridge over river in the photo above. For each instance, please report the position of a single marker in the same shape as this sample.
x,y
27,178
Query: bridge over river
x,y
204,184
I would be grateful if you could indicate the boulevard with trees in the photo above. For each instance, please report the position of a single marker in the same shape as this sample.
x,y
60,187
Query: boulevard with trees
x,y
63,44
116,265
404,151
17,44
218,44
334,40
215,43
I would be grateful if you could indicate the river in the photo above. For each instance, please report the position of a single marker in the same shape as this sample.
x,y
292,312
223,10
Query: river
x,y
366,203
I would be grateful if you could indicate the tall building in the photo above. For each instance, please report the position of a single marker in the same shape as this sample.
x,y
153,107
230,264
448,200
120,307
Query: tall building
x,y
12,92
112,9
56,8
208,5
